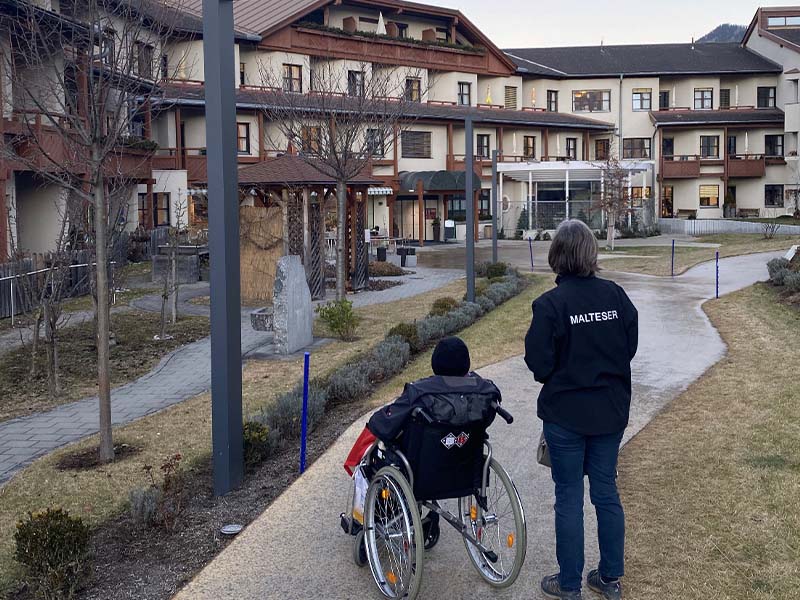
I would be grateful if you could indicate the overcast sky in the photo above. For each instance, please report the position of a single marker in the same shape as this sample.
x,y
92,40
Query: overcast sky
x,y
531,23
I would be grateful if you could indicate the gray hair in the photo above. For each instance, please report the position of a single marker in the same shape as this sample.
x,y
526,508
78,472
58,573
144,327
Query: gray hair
x,y
573,250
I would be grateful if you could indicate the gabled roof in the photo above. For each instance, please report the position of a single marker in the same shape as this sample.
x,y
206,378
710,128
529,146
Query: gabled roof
x,y
785,36
640,60
739,116
265,17
290,169
194,95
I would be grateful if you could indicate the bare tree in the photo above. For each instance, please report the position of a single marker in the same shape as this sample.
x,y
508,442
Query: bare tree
x,y
82,80
346,119
170,280
613,199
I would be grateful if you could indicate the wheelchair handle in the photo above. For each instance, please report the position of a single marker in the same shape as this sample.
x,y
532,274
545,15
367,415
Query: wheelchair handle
x,y
420,412
507,416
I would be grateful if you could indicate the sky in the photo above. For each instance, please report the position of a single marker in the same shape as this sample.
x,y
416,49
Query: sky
x,y
532,23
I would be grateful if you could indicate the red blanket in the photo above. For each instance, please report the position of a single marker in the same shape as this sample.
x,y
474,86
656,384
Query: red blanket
x,y
364,441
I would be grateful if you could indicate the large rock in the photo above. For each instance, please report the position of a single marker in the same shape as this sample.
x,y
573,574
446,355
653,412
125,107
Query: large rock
x,y
293,314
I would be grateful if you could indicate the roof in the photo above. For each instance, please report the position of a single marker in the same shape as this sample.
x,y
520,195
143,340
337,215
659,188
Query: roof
x,y
437,181
291,169
641,59
194,95
267,16
189,19
739,116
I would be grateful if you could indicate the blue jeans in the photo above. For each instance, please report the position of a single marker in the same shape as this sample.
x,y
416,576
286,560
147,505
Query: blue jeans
x,y
572,456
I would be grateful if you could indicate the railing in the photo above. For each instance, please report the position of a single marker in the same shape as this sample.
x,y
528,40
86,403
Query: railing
x,y
717,226
680,166
746,165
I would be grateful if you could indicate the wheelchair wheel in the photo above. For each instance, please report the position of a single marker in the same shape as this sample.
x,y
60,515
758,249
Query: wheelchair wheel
x,y
393,535
501,529
359,550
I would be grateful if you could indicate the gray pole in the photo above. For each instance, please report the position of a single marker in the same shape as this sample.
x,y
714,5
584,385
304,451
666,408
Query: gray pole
x,y
495,205
469,198
223,234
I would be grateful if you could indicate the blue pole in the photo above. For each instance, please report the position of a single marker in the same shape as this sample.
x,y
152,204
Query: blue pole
x,y
530,244
304,418
717,264
672,266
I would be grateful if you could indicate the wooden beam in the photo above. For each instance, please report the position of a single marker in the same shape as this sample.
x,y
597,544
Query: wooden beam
x,y
545,147
499,143
450,157
421,212
178,140
261,148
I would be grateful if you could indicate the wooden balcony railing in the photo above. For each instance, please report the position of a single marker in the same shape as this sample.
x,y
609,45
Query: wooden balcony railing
x,y
681,166
746,165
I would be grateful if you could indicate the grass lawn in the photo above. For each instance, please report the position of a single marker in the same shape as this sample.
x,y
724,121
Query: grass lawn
x,y
102,493
133,355
781,220
711,486
657,261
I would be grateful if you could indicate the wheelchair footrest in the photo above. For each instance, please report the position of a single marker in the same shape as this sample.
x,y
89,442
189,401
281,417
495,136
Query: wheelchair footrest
x,y
349,524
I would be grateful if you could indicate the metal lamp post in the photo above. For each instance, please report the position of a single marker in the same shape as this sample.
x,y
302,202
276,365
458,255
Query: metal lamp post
x,y
223,225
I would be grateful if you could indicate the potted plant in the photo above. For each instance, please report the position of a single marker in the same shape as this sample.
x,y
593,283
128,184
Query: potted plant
x,y
437,229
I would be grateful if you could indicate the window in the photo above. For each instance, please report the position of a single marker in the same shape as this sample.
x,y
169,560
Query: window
x,y
668,147
242,74
642,99
783,21
529,146
773,145
709,196
165,66
725,98
108,52
355,83
667,194
292,78
370,20
198,214
703,98
511,97
482,145
442,34
484,204
766,97
413,89
416,144
602,149
552,100
773,195
591,101
663,99
636,148
243,138
731,145
709,146
376,142
572,148
311,142
160,209
143,60
638,194
402,30
464,93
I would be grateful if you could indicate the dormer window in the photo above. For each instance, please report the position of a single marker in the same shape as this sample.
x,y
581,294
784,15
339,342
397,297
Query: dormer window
x,y
783,21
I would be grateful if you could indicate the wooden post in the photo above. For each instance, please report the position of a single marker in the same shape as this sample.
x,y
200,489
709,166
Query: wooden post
x,y
178,140
390,207
421,212
499,142
395,155
352,229
545,144
444,211
261,148
450,158
149,200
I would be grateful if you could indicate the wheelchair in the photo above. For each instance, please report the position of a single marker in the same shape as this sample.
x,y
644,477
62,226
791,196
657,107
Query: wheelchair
x,y
435,462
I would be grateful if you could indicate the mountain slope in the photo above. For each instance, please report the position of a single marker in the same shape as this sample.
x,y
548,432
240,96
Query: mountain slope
x,y
727,32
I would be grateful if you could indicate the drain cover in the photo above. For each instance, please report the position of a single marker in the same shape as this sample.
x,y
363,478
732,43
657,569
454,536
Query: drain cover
x,y
232,529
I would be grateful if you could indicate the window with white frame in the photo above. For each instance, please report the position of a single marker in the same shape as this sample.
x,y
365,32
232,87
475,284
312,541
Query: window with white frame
x,y
636,148
591,100
703,98
464,93
709,146
642,99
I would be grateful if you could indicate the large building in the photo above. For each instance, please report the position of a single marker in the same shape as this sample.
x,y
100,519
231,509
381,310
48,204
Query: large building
x,y
704,130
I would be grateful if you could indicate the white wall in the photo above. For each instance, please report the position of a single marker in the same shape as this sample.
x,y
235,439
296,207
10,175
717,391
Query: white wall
x,y
40,210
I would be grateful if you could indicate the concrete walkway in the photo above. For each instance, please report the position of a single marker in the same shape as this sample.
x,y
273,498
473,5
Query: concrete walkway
x,y
178,376
296,550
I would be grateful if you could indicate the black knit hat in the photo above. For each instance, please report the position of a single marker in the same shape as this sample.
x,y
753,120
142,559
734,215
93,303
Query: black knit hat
x,y
450,357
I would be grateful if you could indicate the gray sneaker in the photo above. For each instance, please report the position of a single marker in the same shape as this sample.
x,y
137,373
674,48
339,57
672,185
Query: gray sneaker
x,y
611,590
551,588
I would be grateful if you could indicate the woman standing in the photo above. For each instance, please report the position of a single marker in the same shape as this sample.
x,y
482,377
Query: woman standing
x,y
581,341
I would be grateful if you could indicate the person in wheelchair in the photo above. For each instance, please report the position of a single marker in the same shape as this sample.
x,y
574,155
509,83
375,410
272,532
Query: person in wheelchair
x,y
432,446
453,395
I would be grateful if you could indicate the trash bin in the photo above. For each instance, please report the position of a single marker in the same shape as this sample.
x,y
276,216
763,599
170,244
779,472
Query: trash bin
x,y
381,254
402,252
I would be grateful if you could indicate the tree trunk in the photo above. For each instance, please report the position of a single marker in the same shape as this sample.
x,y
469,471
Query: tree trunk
x,y
53,386
175,284
103,377
610,232
35,341
341,239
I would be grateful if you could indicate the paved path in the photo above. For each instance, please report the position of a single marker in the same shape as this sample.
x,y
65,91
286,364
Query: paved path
x,y
296,550
177,377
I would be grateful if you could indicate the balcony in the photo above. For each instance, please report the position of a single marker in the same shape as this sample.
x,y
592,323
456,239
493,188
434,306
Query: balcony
x,y
746,165
792,116
686,166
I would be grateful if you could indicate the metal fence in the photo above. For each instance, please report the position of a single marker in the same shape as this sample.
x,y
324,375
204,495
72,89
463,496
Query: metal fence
x,y
22,282
717,226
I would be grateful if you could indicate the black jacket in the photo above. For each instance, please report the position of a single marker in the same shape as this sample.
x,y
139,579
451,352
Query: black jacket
x,y
454,401
582,339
